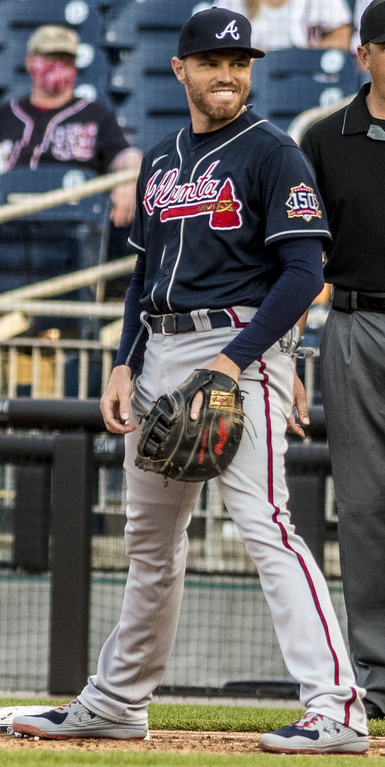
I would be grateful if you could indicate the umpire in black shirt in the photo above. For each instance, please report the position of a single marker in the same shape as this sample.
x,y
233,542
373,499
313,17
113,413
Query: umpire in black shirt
x,y
347,151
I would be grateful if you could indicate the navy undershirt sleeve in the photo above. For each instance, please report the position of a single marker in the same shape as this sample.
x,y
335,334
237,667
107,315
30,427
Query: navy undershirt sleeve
x,y
300,282
134,334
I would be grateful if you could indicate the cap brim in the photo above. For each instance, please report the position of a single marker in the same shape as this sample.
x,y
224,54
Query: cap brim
x,y
254,53
376,40
47,49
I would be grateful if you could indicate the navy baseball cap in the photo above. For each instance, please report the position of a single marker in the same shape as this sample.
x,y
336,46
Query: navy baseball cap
x,y
372,28
214,29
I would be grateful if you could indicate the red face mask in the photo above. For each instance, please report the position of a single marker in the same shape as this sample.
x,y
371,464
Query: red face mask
x,y
54,76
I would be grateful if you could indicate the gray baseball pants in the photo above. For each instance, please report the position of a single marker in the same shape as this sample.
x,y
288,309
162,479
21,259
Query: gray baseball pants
x,y
133,659
353,381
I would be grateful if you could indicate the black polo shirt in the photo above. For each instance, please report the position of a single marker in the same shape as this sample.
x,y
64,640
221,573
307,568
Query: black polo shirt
x,y
347,151
81,132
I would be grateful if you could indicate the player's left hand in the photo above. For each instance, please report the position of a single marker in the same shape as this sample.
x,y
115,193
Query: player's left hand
x,y
115,402
123,201
224,365
299,401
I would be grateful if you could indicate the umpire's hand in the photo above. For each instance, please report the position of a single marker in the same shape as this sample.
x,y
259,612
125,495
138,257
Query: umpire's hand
x,y
115,402
299,401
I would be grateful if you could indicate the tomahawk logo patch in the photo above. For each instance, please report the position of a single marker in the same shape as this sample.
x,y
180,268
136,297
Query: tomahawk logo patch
x,y
303,203
205,197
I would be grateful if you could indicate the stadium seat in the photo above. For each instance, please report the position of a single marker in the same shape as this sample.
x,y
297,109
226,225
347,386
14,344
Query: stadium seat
x,y
150,102
170,15
53,242
122,31
106,5
152,57
96,76
7,74
146,129
287,82
48,177
20,17
40,258
158,95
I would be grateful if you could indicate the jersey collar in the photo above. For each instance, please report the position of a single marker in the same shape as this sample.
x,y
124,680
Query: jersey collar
x,y
232,128
357,116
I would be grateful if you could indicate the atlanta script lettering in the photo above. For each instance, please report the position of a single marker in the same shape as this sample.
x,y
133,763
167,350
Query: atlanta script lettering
x,y
202,197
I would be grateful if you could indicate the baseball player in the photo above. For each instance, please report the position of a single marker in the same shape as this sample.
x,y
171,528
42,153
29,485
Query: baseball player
x,y
228,231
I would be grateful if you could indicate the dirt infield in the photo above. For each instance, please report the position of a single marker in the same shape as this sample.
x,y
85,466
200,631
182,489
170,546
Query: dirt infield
x,y
163,740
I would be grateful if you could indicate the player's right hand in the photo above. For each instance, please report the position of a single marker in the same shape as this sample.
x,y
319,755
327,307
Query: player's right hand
x,y
115,402
222,364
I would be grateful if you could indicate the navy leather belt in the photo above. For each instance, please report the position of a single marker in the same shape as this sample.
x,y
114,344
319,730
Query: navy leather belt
x,y
349,300
169,324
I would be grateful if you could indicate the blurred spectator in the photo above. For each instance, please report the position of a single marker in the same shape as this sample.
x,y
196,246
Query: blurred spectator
x,y
52,125
358,11
294,23
359,8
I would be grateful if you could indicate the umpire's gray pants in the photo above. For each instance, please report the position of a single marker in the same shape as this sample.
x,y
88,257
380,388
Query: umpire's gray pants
x,y
353,387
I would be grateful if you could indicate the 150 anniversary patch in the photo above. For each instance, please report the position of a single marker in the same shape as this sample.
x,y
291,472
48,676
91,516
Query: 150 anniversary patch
x,y
303,203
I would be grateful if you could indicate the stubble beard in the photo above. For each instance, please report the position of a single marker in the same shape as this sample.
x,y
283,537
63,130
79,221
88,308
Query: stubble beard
x,y
200,99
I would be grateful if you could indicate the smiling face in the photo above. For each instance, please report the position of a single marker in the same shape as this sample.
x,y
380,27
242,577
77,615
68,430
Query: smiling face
x,y
217,85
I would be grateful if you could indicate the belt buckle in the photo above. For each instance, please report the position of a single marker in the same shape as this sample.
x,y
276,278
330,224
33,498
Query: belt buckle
x,y
163,325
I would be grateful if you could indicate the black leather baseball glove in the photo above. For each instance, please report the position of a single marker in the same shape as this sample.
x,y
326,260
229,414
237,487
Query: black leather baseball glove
x,y
193,451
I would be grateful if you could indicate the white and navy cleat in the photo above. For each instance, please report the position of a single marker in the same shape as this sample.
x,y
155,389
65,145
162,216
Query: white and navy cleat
x,y
75,721
315,734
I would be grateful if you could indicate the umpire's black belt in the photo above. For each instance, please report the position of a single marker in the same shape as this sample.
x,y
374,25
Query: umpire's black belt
x,y
349,300
168,324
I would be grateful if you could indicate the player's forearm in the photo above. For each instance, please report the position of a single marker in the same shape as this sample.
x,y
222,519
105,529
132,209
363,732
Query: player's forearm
x,y
224,365
282,308
123,196
134,334
301,324
129,159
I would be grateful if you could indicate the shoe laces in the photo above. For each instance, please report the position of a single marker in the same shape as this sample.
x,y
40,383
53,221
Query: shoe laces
x,y
67,705
309,721
312,721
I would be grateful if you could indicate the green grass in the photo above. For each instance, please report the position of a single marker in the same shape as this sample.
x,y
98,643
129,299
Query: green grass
x,y
219,718
120,759
186,717
171,716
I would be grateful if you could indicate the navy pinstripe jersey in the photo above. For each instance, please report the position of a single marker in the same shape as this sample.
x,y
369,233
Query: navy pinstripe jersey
x,y
210,205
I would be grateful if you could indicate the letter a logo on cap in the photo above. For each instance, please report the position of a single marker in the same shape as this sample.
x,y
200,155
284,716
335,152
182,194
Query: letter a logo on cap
x,y
231,29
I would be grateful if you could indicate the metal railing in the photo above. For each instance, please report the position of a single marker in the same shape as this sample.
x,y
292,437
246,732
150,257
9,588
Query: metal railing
x,y
34,203
54,516
41,365
304,120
